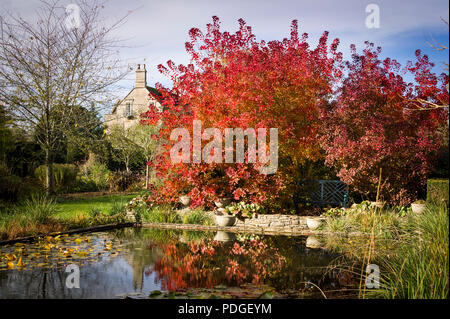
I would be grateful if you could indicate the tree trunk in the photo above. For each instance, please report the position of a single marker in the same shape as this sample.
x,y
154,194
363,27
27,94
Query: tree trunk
x,y
49,187
146,177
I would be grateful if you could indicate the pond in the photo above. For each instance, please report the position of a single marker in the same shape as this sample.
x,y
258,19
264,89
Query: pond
x,y
137,263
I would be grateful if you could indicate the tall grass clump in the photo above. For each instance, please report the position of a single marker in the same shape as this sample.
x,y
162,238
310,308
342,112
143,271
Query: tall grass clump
x,y
420,268
161,214
33,217
197,217
385,224
39,208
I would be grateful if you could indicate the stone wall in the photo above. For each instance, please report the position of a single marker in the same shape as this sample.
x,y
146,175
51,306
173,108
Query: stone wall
x,y
268,224
275,223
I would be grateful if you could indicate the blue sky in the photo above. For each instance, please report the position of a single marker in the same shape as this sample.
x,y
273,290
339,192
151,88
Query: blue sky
x,y
157,30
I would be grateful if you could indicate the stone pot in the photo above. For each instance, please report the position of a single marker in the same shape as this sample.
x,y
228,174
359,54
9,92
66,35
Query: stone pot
x,y
314,222
225,220
223,202
380,205
185,200
418,208
225,236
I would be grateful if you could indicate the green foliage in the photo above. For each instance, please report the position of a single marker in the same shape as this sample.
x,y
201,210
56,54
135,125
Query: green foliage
x,y
116,213
125,150
121,181
93,176
244,209
335,212
6,136
117,208
64,176
94,212
198,217
10,184
437,191
139,214
402,211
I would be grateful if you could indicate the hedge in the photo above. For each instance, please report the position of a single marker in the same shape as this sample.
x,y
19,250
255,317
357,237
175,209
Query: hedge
x,y
437,191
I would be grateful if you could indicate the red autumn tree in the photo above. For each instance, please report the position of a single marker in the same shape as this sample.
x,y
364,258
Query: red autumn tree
x,y
235,81
370,126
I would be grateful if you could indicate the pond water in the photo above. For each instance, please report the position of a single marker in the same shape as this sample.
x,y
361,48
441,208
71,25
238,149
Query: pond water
x,y
136,262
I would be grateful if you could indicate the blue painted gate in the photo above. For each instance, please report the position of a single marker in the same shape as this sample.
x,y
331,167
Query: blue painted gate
x,y
324,192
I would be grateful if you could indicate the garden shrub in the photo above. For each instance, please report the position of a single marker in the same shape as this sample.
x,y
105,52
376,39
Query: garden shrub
x,y
437,191
371,126
117,208
64,176
122,180
93,176
84,184
9,184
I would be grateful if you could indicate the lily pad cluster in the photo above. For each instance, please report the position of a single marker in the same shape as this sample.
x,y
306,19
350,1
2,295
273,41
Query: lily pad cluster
x,y
58,251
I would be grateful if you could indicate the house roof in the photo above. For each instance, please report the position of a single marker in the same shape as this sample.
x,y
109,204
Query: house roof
x,y
149,89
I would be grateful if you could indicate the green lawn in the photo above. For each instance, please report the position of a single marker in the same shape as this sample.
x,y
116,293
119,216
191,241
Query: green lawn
x,y
70,207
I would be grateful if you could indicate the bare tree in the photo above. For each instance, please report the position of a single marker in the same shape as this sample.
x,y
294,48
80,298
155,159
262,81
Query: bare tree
x,y
125,148
51,65
142,137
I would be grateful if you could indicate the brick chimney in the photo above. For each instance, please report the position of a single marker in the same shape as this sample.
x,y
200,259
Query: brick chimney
x,y
141,76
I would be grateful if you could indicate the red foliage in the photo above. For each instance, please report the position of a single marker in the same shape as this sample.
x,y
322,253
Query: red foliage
x,y
195,265
370,127
359,122
236,81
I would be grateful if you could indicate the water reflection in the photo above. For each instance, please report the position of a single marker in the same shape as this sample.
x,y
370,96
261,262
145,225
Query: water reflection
x,y
314,242
224,236
151,259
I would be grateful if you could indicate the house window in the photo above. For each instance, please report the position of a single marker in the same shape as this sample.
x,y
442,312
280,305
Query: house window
x,y
128,110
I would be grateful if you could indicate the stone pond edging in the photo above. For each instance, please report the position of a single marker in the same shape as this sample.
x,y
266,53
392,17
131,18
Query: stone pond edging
x,y
276,223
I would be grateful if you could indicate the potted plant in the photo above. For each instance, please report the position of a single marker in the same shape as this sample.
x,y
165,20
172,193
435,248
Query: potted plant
x,y
222,202
185,200
418,206
243,210
225,218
